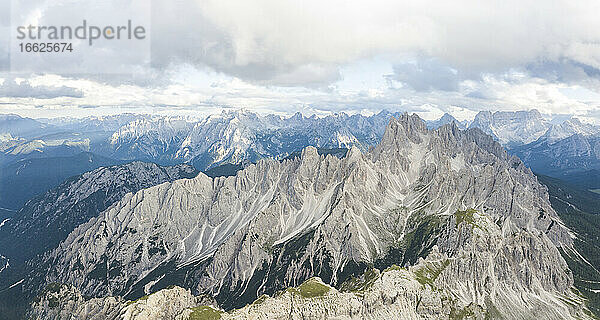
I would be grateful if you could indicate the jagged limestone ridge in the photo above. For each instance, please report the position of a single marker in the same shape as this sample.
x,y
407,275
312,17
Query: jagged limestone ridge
x,y
276,224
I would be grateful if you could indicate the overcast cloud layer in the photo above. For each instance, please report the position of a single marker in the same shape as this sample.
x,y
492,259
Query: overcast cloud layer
x,y
286,56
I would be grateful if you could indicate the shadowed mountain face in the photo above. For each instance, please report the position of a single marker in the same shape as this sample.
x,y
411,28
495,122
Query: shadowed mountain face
x,y
47,219
569,151
24,179
451,206
17,126
573,154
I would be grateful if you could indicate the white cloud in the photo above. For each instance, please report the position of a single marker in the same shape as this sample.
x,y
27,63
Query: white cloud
x,y
10,88
293,43
195,91
267,41
286,55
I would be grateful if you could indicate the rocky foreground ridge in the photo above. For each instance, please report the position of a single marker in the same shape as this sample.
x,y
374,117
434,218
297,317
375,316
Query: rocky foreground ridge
x,y
461,228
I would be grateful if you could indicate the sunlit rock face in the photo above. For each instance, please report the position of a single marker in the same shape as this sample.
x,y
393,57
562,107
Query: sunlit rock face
x,y
470,224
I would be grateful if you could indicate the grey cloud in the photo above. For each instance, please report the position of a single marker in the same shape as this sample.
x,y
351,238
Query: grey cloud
x,y
198,38
4,54
268,43
143,77
119,61
427,75
291,43
303,44
594,113
10,88
5,12
566,71
482,93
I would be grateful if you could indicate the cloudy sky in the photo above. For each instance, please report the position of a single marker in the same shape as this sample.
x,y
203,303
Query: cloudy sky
x,y
310,56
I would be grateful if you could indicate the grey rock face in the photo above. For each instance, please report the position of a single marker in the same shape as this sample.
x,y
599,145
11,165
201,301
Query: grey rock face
x,y
452,197
172,303
566,129
395,293
47,220
511,128
59,302
64,302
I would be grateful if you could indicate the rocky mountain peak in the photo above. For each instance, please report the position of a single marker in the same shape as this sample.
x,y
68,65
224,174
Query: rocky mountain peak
x,y
449,205
309,152
570,127
511,128
403,129
445,119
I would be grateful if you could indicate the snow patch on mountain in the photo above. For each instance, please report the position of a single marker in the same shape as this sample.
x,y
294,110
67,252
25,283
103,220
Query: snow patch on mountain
x,y
512,128
568,128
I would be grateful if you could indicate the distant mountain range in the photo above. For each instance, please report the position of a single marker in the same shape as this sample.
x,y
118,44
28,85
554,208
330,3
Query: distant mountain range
x,y
428,222
573,153
511,128
237,137
229,137
37,156
446,119
241,137
569,150
392,214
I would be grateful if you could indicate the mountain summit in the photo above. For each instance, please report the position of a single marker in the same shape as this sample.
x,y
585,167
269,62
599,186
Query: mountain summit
x,y
450,205
512,128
